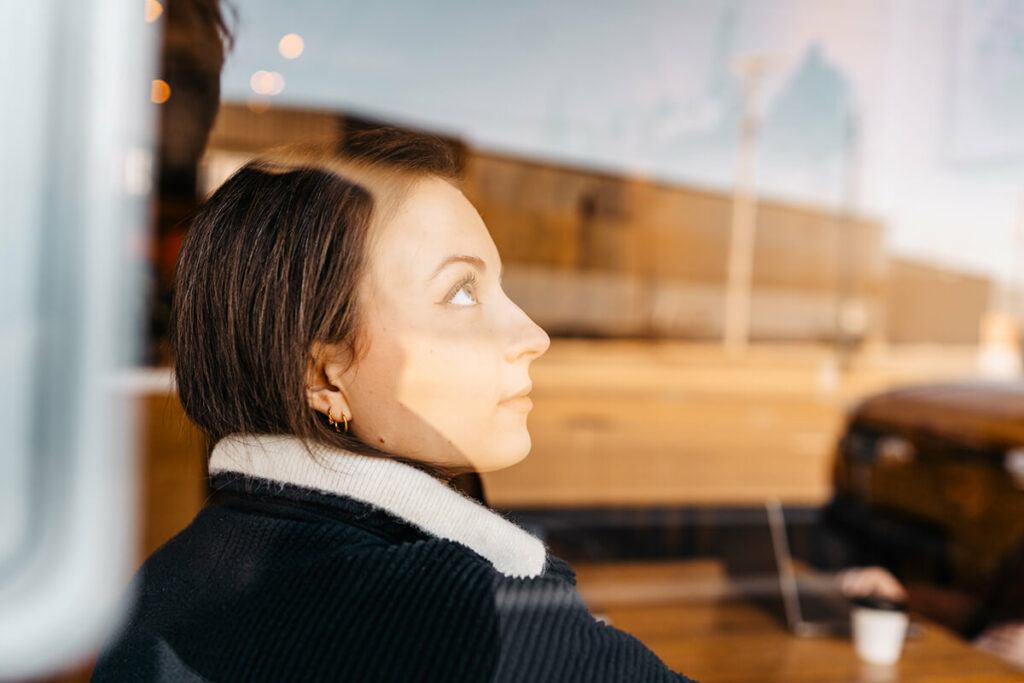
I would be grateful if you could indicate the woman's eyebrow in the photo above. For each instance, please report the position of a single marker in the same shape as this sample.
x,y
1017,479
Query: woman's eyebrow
x,y
456,258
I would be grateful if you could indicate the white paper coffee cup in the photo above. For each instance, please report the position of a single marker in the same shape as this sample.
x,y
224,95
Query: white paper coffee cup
x,y
879,628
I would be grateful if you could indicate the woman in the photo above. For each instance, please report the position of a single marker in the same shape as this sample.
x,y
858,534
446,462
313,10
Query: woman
x,y
342,338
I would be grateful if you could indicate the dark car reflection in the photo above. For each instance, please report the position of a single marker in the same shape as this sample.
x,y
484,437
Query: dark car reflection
x,y
929,481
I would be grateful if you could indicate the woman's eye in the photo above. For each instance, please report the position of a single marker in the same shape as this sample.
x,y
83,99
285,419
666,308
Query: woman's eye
x,y
464,296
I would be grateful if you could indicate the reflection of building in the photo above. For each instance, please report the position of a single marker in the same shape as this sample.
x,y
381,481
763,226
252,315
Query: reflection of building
x,y
596,254
606,255
929,304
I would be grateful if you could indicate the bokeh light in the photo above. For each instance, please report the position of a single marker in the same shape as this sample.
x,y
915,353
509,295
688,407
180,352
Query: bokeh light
x,y
160,92
267,82
153,10
258,103
291,46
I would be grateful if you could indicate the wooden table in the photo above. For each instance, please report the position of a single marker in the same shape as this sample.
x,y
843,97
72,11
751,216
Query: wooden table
x,y
691,616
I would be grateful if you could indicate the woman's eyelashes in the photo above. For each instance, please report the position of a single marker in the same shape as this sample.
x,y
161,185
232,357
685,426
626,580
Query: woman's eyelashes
x,y
464,293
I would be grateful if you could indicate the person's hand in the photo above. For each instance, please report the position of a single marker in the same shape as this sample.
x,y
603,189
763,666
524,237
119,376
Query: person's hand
x,y
1004,640
858,582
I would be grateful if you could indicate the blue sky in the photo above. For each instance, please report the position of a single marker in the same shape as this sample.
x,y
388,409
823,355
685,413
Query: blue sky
x,y
650,86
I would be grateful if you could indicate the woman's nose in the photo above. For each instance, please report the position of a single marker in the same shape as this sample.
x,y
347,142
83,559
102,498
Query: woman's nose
x,y
529,339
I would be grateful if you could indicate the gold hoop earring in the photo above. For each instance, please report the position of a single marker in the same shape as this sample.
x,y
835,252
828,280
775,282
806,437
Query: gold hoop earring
x,y
334,423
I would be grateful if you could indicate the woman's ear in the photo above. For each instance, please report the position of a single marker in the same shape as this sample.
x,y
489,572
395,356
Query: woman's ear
x,y
324,390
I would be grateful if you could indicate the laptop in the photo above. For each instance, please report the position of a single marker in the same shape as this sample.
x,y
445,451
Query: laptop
x,y
814,606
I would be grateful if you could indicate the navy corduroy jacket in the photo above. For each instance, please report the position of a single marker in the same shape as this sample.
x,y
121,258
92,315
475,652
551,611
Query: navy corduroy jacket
x,y
275,581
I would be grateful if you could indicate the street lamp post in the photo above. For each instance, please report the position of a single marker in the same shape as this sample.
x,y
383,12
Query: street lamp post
x,y
743,224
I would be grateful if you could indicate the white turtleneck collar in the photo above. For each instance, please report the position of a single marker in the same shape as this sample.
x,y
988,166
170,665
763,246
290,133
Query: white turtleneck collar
x,y
402,490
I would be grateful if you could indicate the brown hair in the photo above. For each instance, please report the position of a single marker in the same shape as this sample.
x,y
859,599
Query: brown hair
x,y
270,269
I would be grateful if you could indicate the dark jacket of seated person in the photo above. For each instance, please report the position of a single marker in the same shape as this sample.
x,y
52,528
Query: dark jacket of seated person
x,y
345,567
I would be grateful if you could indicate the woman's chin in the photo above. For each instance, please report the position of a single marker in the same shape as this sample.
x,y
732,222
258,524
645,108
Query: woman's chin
x,y
515,449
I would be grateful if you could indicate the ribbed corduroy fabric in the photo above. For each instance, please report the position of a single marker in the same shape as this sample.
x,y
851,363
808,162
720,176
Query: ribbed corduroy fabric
x,y
353,576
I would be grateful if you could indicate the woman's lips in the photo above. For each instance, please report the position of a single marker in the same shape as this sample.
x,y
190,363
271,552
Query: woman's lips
x,y
518,402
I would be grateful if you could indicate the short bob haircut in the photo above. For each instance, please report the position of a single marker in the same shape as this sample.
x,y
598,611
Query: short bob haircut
x,y
269,272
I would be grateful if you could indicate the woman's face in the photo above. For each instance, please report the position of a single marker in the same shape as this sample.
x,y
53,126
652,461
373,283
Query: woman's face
x,y
446,348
